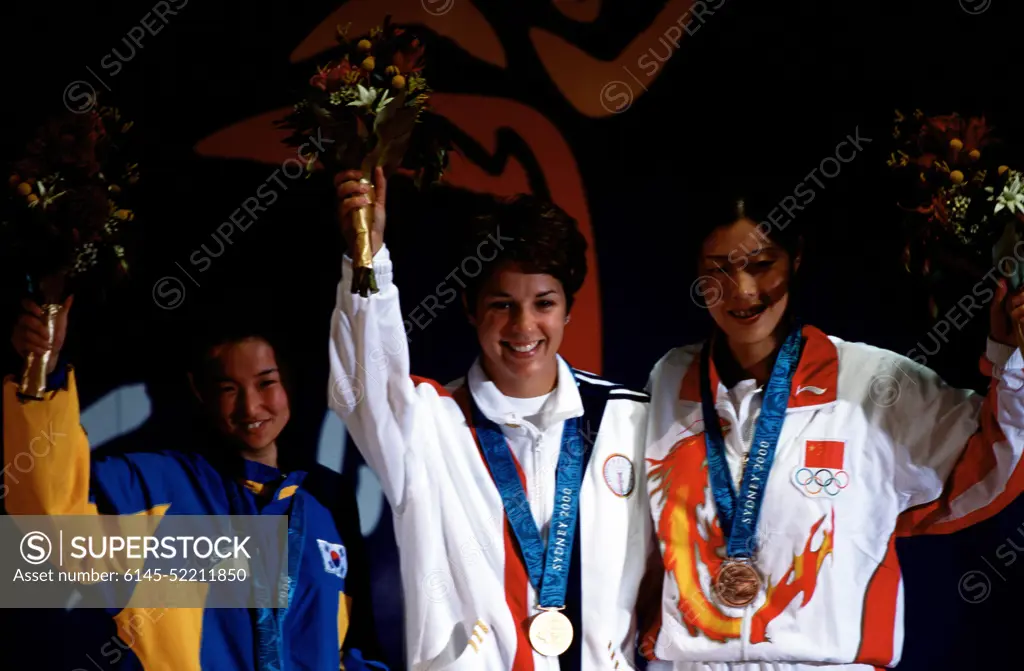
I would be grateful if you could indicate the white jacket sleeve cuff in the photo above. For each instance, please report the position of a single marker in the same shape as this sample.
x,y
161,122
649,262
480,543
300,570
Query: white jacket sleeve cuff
x,y
1004,357
382,268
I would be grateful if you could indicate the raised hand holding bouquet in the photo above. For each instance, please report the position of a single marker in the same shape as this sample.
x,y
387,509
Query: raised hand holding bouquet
x,y
62,216
965,211
371,105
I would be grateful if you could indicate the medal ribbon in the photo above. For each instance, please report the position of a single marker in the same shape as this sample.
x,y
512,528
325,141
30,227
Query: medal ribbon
x,y
741,531
549,572
269,621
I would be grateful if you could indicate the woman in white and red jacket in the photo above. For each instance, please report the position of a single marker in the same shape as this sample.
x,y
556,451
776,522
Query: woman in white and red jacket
x,y
777,517
522,447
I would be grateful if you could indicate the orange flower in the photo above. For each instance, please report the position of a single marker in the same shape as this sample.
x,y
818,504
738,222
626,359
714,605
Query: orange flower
x,y
972,132
337,75
939,211
410,58
976,134
925,161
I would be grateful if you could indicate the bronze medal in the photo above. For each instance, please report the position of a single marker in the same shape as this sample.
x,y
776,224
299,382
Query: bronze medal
x,y
737,583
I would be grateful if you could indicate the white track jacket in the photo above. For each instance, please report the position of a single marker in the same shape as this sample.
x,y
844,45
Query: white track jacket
x,y
468,599
873,447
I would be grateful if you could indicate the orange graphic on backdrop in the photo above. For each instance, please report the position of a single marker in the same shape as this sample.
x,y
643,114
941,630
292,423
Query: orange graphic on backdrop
x,y
580,77
457,19
584,11
598,87
692,538
483,119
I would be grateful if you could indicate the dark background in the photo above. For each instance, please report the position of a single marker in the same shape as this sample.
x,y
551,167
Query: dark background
x,y
764,88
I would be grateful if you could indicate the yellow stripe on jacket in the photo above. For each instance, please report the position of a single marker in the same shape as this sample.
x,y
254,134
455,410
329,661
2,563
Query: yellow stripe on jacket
x,y
48,434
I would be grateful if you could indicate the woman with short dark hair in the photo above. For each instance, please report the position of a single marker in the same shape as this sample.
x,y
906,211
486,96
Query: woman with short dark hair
x,y
522,526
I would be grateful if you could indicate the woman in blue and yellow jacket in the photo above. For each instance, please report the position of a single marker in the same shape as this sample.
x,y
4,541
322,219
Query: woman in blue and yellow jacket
x,y
242,389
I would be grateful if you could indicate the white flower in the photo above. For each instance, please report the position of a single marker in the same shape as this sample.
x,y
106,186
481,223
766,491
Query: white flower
x,y
366,98
1012,197
384,101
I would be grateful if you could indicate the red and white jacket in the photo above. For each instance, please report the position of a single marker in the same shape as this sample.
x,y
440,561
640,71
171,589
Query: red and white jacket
x,y
873,447
467,596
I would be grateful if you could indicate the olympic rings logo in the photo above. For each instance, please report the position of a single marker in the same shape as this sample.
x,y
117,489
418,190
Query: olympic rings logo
x,y
814,482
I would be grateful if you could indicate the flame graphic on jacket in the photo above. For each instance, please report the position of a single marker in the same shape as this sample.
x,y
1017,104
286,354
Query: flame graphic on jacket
x,y
694,545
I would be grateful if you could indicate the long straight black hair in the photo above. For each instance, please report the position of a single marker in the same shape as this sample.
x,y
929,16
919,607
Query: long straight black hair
x,y
767,200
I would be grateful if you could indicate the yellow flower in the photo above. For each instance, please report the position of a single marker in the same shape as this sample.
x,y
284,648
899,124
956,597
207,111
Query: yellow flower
x,y
364,45
956,144
369,64
902,161
24,189
398,82
416,83
956,176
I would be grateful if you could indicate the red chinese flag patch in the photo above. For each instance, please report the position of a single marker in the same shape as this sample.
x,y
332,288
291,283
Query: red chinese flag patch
x,y
824,454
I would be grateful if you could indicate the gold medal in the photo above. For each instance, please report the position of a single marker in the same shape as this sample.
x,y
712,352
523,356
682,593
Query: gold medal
x,y
550,633
737,583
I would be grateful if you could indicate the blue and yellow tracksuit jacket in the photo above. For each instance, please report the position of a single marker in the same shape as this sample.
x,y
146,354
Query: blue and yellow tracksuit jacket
x,y
315,632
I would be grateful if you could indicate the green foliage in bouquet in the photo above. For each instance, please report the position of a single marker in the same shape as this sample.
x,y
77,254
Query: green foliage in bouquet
x,y
67,201
964,211
373,103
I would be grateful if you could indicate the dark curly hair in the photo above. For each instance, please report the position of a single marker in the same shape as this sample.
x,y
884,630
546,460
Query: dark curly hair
x,y
537,235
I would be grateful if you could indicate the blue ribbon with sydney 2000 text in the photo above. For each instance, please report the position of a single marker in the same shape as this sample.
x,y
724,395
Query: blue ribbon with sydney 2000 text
x,y
766,438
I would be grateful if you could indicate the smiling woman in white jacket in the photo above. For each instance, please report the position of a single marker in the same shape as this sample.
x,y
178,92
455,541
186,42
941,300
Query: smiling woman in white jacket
x,y
783,463
524,450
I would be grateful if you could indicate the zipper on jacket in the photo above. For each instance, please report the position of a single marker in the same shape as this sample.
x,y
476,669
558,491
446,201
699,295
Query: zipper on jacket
x,y
748,617
747,436
538,472
728,412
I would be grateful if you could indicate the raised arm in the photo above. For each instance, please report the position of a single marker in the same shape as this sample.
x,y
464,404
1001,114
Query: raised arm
x,y
958,455
48,465
370,387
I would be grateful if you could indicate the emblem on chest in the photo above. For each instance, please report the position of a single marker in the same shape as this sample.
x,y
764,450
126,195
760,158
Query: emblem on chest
x,y
619,475
821,472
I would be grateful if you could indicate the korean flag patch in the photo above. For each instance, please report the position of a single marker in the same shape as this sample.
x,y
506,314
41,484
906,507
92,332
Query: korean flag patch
x,y
335,559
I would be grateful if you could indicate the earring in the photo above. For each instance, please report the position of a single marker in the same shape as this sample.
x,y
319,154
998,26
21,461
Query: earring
x,y
568,318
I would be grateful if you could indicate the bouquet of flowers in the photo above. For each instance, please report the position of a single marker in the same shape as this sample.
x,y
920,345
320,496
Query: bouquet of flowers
x,y
965,211
63,212
372,104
